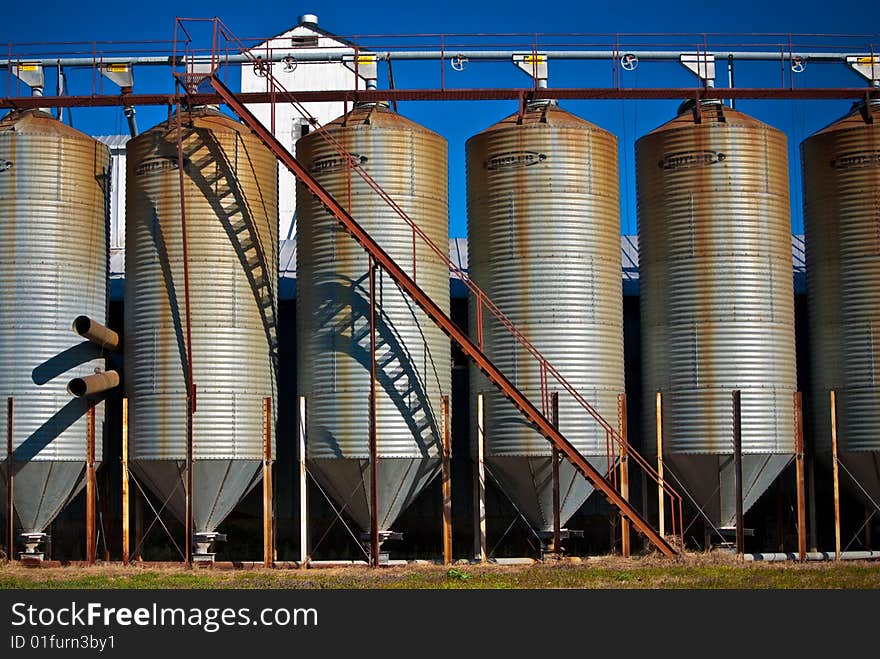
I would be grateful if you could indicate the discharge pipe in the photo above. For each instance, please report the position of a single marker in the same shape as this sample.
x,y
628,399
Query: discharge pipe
x,y
93,384
777,557
96,332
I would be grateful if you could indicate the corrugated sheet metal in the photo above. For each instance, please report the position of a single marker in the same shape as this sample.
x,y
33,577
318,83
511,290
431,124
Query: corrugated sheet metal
x,y
716,282
233,255
53,204
544,228
629,252
413,355
841,166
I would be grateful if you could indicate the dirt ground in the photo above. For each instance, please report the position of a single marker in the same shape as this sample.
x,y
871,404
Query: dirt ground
x,y
713,571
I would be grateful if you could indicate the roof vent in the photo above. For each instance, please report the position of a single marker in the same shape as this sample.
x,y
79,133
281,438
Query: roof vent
x,y
308,19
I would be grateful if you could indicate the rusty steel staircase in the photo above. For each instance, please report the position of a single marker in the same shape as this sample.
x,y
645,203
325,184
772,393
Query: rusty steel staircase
x,y
618,449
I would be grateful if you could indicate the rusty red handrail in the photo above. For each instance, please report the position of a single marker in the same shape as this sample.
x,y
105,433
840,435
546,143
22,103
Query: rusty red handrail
x,y
612,437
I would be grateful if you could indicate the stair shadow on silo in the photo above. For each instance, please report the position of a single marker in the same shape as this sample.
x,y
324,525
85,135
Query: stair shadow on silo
x,y
345,315
260,285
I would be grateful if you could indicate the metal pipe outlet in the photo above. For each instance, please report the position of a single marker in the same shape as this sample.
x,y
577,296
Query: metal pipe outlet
x,y
93,384
777,557
96,332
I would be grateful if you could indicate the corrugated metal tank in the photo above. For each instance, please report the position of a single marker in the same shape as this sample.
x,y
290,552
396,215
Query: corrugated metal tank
x,y
717,302
54,186
544,245
232,236
841,166
333,352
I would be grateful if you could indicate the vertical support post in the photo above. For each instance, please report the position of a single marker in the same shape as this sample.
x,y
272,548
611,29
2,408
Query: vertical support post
x,y
661,503
188,520
737,471
557,513
780,513
91,486
799,468
374,458
869,536
480,487
446,474
812,526
126,521
190,384
303,486
835,474
624,473
268,535
10,478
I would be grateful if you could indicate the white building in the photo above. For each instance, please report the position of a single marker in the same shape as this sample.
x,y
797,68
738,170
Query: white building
x,y
305,37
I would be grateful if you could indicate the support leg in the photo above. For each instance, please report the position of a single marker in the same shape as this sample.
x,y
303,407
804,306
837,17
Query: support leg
x,y
268,535
480,487
737,471
834,466
91,487
126,522
624,473
303,486
799,467
661,503
446,455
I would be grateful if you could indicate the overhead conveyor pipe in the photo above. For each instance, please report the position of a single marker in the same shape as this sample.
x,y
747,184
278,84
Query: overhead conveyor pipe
x,y
337,55
96,332
90,385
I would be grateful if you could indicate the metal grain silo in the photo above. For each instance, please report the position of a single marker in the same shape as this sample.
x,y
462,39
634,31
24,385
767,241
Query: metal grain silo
x,y
54,186
333,351
544,245
841,166
232,236
717,301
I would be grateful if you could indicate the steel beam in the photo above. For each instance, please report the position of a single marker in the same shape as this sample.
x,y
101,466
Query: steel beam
x,y
91,487
381,258
661,500
446,480
268,513
374,451
303,485
10,478
799,468
190,385
835,474
472,94
624,472
480,552
554,457
737,471
126,522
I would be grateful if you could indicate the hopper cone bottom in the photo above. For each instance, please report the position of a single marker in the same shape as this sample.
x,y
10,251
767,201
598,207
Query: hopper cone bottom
x,y
347,482
528,482
709,479
42,490
218,486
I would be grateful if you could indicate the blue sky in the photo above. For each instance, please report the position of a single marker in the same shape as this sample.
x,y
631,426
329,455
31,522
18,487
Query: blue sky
x,y
89,20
